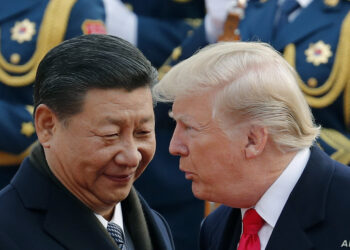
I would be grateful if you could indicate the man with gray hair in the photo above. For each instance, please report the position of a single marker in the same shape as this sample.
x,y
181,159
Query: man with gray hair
x,y
245,135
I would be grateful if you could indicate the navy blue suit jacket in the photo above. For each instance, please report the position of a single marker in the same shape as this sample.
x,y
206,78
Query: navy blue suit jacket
x,y
316,215
36,214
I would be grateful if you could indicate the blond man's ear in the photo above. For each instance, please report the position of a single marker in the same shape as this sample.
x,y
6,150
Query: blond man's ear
x,y
257,139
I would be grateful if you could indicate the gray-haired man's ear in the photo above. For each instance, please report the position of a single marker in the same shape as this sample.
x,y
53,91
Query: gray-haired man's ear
x,y
45,121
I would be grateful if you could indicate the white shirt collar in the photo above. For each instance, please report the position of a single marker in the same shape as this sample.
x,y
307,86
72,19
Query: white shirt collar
x,y
272,202
117,217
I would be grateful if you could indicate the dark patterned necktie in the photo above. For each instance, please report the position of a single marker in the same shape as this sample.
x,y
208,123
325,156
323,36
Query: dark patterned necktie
x,y
117,234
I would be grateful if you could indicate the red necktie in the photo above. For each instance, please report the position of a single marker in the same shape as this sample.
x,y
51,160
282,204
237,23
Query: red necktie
x,y
252,223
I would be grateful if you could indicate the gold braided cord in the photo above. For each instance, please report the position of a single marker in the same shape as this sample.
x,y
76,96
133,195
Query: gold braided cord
x,y
339,142
7,159
339,76
347,105
51,34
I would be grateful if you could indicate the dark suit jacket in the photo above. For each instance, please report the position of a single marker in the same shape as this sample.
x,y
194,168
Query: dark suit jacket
x,y
316,215
35,213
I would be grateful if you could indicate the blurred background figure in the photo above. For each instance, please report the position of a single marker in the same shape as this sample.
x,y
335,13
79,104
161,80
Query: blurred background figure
x,y
28,30
314,37
157,27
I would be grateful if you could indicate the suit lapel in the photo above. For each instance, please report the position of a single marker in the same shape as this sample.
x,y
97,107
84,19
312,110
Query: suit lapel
x,y
231,232
74,225
66,219
288,233
237,229
304,24
305,206
133,214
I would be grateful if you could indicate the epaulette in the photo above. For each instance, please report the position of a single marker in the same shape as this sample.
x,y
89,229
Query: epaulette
x,y
23,75
338,80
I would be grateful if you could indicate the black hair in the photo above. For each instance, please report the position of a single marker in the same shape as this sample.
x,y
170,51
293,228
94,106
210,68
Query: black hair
x,y
88,62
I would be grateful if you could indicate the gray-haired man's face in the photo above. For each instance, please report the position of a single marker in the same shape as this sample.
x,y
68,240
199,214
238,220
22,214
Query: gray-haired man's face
x,y
106,147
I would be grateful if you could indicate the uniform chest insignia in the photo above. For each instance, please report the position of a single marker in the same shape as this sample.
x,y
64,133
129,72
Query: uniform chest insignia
x,y
93,27
318,53
23,31
27,129
331,3
176,53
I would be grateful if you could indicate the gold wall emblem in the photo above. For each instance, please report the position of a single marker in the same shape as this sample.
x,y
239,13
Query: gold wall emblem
x,y
318,53
23,31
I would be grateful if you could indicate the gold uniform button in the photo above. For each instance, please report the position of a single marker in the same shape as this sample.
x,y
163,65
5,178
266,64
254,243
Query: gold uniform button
x,y
176,53
312,82
15,58
27,129
331,3
129,6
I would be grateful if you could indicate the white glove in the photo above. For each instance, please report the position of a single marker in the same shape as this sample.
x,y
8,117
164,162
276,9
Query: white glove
x,y
215,18
120,21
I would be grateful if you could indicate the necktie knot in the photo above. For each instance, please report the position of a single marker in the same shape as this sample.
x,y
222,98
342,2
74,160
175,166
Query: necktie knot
x,y
252,222
117,234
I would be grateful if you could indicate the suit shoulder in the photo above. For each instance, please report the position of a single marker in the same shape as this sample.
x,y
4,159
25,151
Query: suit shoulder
x,y
7,243
221,212
341,175
10,206
214,221
6,194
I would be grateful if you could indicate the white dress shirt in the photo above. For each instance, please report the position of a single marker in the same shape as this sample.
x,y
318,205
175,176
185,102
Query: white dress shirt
x,y
117,217
271,204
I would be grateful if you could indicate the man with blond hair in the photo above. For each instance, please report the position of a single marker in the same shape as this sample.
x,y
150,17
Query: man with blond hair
x,y
245,135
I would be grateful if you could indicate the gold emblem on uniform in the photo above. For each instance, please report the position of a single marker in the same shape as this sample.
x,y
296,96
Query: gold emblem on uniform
x,y
331,3
312,82
318,53
176,53
23,31
15,58
27,129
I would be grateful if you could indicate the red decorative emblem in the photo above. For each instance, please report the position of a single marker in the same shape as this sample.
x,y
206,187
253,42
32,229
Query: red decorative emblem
x,y
93,27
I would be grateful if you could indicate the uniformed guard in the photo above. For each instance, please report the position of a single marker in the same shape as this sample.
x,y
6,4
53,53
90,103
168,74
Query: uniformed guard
x,y
315,39
156,27
28,30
